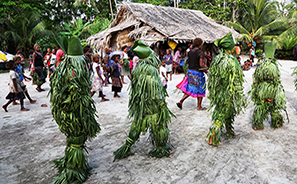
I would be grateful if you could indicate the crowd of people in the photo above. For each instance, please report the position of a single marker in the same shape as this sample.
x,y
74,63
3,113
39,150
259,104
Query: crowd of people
x,y
116,66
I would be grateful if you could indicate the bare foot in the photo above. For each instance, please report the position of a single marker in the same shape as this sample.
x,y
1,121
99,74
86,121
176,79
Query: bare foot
x,y
15,103
43,105
24,109
171,152
201,108
104,99
33,101
117,96
4,107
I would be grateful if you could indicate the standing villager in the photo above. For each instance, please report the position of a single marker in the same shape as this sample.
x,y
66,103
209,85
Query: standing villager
x,y
194,83
39,72
124,62
268,94
169,63
115,76
176,59
97,80
225,86
252,53
60,54
73,110
147,106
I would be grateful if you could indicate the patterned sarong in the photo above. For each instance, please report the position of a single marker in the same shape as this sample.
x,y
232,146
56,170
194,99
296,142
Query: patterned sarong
x,y
193,84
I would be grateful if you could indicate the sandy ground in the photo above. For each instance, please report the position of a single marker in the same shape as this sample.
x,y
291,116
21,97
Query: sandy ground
x,y
30,141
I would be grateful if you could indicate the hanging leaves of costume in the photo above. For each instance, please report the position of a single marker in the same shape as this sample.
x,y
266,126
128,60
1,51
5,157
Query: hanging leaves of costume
x,y
147,106
73,110
268,94
225,86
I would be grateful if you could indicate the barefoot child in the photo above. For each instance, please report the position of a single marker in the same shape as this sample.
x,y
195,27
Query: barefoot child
x,y
97,79
115,76
22,76
15,90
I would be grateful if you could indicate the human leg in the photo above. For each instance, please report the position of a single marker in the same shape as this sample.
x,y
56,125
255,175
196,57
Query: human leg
x,y
5,106
22,105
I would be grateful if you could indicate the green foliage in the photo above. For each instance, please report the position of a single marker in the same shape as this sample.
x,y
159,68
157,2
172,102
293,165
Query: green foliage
x,y
288,42
24,29
259,52
147,109
225,86
99,25
267,94
74,111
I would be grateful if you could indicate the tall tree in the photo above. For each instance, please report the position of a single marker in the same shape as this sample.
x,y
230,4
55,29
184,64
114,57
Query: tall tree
x,y
258,21
23,30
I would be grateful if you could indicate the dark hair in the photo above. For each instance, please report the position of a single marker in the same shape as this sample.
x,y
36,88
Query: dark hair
x,y
114,56
238,57
31,51
17,49
86,49
9,64
123,48
197,42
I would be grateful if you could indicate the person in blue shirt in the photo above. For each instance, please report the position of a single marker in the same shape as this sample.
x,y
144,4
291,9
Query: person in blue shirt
x,y
20,70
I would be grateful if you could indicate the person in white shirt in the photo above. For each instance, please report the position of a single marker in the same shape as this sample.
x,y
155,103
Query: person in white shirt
x,y
163,74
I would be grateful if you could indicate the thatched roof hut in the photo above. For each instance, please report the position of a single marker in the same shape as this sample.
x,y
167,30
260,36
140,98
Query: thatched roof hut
x,y
153,24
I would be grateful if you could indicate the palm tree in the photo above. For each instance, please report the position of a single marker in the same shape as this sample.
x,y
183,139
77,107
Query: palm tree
x,y
258,22
24,29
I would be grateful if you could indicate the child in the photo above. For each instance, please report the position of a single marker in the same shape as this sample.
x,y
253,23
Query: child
x,y
115,76
47,57
31,51
168,61
97,79
106,70
51,66
16,92
163,74
18,70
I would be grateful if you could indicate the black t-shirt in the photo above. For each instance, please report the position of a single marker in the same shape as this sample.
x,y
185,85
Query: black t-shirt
x,y
116,72
38,60
194,59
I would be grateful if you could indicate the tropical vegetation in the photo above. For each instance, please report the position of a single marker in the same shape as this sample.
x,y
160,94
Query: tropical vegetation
x,y
256,20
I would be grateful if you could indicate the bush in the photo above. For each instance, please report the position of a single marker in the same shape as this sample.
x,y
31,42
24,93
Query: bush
x,y
284,54
259,52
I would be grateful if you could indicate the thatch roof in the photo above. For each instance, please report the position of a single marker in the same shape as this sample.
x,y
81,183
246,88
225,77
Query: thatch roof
x,y
157,23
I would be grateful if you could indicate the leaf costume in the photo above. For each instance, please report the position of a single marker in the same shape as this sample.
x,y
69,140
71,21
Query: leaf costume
x,y
268,94
147,105
74,111
225,86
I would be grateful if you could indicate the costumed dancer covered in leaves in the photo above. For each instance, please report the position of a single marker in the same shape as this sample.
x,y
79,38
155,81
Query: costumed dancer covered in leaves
x,y
73,110
225,85
268,94
194,83
147,106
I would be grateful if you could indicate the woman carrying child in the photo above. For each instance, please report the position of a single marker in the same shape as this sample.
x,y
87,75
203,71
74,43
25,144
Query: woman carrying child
x,y
97,80
15,90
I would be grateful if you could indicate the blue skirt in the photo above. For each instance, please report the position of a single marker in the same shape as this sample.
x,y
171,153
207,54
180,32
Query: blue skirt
x,y
193,84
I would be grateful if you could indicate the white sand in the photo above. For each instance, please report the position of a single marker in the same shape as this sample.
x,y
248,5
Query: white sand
x,y
31,140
